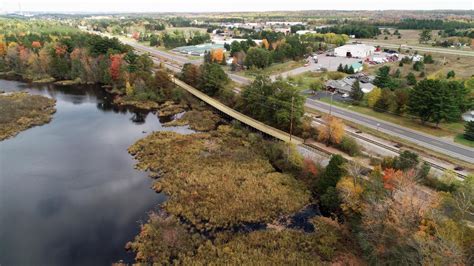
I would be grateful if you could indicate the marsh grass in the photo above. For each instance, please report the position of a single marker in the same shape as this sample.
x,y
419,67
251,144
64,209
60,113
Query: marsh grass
x,y
20,111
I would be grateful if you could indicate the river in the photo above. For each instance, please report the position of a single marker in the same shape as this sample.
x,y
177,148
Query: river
x,y
69,194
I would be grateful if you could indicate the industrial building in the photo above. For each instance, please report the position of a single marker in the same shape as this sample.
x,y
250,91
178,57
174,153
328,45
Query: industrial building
x,y
355,50
198,50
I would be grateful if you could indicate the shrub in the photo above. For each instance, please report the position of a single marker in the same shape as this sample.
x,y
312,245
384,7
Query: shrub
x,y
349,145
418,66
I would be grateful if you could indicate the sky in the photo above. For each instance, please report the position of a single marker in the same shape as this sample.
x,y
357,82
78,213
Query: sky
x,y
227,5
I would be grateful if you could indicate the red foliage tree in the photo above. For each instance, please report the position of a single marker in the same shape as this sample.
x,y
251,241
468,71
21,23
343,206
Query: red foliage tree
x,y
36,44
115,64
309,167
60,50
390,178
136,35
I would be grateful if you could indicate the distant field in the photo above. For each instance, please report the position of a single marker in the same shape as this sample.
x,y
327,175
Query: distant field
x,y
186,29
409,37
463,66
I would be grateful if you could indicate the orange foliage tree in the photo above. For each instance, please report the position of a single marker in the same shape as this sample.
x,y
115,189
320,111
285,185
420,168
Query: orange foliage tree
x,y
3,49
217,55
332,131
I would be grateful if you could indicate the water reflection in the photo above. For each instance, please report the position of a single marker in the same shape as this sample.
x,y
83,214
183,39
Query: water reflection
x,y
68,192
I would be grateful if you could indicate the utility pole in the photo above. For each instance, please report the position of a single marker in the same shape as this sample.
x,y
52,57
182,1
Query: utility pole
x,y
291,116
291,127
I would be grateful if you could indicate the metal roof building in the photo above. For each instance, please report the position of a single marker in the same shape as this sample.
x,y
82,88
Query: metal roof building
x,y
354,50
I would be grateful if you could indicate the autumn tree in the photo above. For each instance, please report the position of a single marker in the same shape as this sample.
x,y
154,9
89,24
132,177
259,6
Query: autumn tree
x,y
374,96
350,195
217,56
332,131
265,44
389,224
3,49
115,67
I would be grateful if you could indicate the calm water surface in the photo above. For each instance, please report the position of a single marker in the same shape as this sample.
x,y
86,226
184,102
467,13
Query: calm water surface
x,y
68,192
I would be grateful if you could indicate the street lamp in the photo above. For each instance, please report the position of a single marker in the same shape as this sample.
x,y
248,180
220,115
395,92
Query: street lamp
x,y
330,105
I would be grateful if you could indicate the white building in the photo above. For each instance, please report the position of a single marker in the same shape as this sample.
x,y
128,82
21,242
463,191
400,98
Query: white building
x,y
304,32
354,50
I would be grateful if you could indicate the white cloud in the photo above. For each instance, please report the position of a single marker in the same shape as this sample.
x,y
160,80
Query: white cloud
x,y
227,5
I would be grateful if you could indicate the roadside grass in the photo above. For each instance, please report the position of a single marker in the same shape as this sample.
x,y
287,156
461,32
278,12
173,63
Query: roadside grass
x,y
304,80
274,69
444,130
461,140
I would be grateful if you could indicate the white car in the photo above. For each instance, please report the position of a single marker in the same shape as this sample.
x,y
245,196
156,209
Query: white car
x,y
345,95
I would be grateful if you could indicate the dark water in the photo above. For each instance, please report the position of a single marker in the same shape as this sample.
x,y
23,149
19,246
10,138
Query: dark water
x,y
68,192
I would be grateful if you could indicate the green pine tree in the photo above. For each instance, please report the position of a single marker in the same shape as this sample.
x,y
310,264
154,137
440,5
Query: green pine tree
x,y
469,130
356,92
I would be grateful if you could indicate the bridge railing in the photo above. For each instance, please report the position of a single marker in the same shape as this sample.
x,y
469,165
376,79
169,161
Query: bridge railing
x,y
276,133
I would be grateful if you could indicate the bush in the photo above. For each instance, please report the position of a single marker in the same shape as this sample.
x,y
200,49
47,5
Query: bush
x,y
418,66
349,145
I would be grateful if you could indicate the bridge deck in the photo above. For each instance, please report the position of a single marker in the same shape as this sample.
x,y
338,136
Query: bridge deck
x,y
276,133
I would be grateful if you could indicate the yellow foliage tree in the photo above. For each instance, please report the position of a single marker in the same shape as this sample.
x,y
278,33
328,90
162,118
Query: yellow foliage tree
x,y
350,194
374,96
265,44
332,131
129,89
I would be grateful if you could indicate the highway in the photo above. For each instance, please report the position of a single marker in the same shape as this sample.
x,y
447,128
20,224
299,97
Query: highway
x,y
421,139
430,142
424,49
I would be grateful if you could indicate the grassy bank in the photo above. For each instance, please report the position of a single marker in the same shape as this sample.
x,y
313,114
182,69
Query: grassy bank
x,y
20,111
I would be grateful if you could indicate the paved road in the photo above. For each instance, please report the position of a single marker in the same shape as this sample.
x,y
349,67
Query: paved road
x,y
421,139
425,49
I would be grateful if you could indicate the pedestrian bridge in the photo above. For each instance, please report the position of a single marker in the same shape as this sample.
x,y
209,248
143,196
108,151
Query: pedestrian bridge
x,y
271,131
